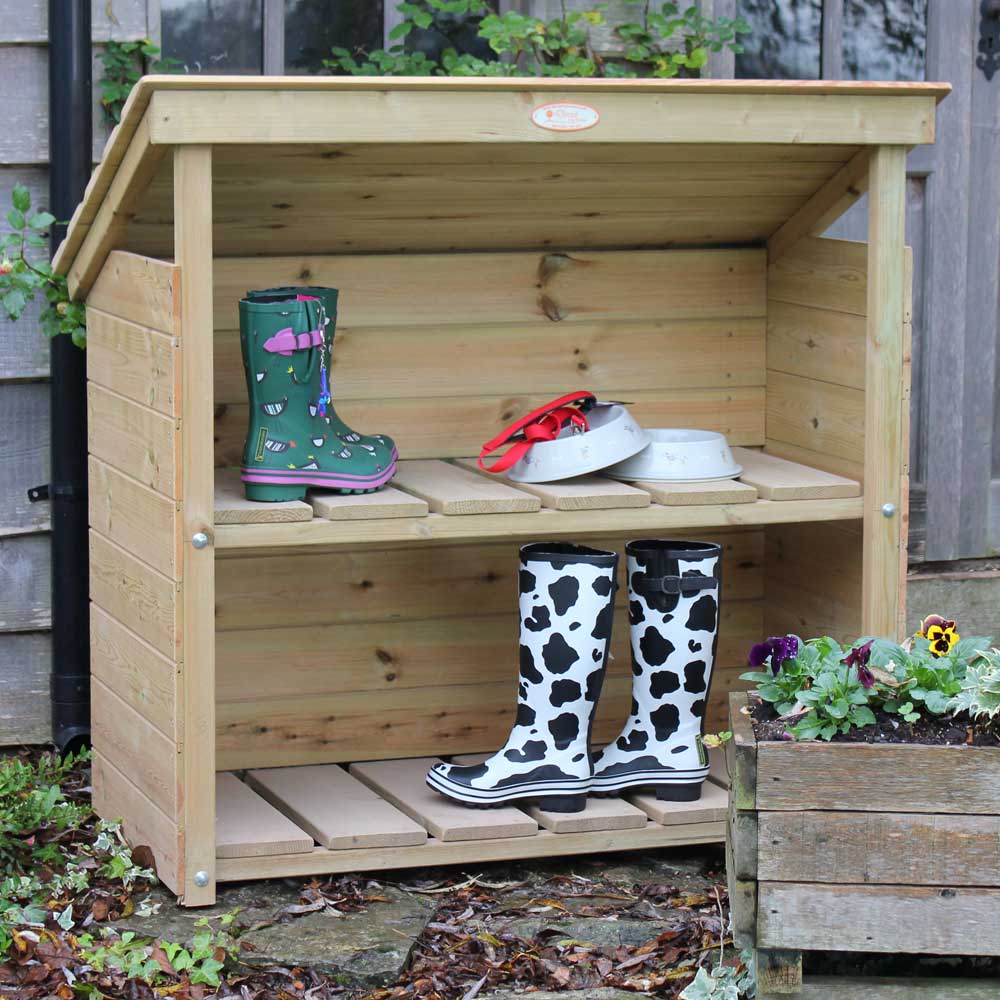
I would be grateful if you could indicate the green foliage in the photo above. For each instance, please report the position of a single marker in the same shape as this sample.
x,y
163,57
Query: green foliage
x,y
666,42
124,64
26,273
980,692
826,689
725,982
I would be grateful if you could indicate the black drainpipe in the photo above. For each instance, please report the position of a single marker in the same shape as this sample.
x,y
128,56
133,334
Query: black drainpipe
x,y
70,142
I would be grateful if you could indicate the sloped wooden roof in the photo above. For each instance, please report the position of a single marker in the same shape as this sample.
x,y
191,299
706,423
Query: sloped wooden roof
x,y
329,164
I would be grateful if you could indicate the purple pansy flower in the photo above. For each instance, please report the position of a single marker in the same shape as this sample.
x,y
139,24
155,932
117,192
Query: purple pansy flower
x,y
777,649
858,657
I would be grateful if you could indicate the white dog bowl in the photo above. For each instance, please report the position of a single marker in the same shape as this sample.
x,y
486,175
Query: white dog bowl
x,y
677,456
613,436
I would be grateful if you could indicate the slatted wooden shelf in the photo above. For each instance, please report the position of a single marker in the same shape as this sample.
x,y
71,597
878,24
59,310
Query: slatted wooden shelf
x,y
454,503
330,818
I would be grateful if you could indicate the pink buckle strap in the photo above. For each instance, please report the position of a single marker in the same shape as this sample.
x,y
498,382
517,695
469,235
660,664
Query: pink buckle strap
x,y
286,341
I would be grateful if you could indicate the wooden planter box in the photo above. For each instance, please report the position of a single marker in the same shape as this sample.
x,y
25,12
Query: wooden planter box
x,y
668,256
866,848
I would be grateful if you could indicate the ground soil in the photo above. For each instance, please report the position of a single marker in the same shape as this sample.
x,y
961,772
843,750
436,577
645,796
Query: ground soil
x,y
956,730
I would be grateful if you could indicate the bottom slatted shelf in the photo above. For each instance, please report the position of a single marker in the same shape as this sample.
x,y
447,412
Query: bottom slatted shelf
x,y
330,818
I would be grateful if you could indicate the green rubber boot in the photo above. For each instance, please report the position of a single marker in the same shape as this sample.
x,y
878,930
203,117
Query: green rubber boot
x,y
328,300
290,443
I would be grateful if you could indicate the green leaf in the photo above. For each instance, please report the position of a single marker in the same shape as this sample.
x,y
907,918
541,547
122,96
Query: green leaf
x,y
20,198
41,220
14,302
863,716
15,219
401,30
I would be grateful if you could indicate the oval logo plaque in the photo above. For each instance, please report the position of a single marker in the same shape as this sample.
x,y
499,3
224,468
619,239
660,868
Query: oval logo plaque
x,y
565,117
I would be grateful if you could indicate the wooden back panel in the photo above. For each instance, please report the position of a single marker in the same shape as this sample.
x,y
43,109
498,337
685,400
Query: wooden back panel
x,y
441,350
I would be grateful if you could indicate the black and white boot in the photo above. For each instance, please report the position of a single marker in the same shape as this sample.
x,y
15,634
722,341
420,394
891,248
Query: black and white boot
x,y
674,629
567,595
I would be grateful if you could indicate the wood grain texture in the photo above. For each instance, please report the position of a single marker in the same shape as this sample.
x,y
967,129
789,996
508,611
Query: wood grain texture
x,y
743,834
778,479
597,814
451,490
848,468
133,361
710,808
897,777
24,451
339,812
779,971
134,439
896,988
741,755
886,406
115,797
387,502
581,493
888,848
137,518
815,343
938,921
742,902
469,852
401,782
28,138
25,583
139,675
139,289
134,594
135,747
232,506
196,694
26,709
684,494
822,273
248,826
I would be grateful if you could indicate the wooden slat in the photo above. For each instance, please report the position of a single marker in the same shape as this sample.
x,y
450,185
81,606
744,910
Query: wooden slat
x,y
456,426
409,289
863,848
335,809
825,206
778,479
453,491
134,594
401,782
445,116
469,852
815,343
897,777
822,273
140,289
816,415
684,494
116,797
232,506
387,502
193,242
896,988
133,439
326,588
117,207
886,414
741,756
247,826
135,747
582,493
26,708
956,921
134,361
143,678
848,468
139,519
598,814
545,524
710,808
539,357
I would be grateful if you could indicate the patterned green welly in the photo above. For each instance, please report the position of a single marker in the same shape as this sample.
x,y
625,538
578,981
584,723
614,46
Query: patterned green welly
x,y
291,442
328,299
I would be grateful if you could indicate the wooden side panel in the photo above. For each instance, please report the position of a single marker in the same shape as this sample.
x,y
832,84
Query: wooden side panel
x,y
133,360
860,848
679,334
134,439
901,778
139,289
938,921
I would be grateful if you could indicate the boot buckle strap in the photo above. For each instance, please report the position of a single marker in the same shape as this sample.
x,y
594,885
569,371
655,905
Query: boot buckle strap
x,y
679,584
286,341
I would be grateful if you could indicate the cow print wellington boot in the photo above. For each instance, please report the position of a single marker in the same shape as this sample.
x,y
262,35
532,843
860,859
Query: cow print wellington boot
x,y
673,619
567,595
